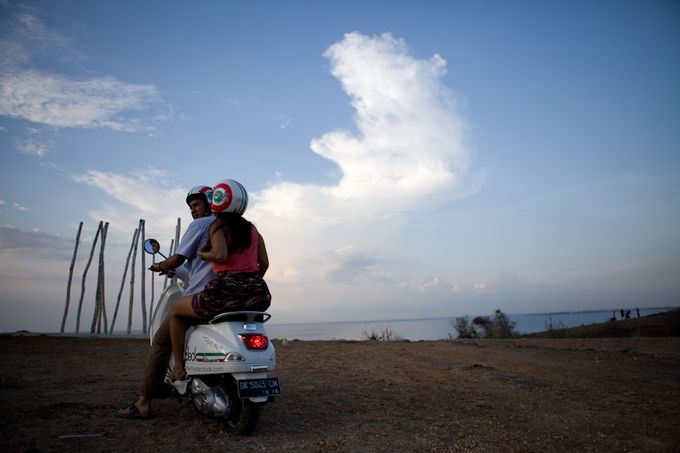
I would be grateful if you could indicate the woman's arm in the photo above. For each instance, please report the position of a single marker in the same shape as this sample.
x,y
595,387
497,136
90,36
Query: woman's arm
x,y
262,257
218,251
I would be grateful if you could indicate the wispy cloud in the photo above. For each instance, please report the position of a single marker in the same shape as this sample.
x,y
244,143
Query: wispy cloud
x,y
140,194
34,243
60,100
35,147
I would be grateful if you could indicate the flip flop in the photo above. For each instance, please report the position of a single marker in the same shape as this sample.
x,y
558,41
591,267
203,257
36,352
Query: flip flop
x,y
132,412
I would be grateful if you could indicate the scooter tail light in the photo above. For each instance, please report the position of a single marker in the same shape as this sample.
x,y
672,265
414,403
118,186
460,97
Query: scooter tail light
x,y
255,341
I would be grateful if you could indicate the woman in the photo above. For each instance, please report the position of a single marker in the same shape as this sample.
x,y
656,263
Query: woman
x,y
240,260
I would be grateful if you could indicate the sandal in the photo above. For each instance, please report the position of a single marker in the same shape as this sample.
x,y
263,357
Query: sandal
x,y
132,412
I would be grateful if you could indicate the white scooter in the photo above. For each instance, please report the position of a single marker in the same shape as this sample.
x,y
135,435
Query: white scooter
x,y
226,360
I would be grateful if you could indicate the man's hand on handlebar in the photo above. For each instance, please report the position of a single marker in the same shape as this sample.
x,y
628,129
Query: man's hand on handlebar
x,y
156,267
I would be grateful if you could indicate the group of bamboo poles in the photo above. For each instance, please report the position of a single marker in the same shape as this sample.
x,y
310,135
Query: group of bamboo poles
x,y
99,317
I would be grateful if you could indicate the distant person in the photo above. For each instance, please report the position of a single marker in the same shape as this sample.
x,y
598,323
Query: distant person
x,y
623,313
638,312
627,314
200,274
239,258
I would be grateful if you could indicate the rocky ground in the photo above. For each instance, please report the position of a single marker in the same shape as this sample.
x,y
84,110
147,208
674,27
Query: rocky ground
x,y
61,393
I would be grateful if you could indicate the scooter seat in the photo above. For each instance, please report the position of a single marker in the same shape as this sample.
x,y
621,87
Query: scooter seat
x,y
240,316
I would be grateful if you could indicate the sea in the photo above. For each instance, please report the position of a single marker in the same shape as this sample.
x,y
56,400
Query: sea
x,y
440,328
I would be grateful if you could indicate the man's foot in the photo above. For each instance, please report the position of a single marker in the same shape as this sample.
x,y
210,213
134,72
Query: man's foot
x,y
132,411
178,380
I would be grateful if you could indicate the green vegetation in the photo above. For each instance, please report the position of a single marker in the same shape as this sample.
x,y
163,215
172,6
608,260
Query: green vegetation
x,y
464,327
385,334
496,326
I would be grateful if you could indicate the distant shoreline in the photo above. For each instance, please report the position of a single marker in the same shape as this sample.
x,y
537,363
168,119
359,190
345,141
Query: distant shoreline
x,y
654,325
665,324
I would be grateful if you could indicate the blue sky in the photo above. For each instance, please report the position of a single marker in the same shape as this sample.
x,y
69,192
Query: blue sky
x,y
405,159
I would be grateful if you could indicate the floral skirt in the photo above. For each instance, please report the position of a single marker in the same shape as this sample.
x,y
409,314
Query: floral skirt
x,y
232,291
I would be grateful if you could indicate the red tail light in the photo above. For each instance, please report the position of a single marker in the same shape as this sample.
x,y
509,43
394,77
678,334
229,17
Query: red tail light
x,y
255,341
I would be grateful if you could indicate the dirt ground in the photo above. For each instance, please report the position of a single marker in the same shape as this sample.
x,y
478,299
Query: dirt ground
x,y
61,393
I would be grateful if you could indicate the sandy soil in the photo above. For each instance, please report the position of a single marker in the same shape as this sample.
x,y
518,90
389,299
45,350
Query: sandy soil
x,y
596,394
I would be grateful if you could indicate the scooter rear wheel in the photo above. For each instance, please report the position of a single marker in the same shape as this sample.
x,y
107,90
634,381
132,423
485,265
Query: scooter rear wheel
x,y
243,417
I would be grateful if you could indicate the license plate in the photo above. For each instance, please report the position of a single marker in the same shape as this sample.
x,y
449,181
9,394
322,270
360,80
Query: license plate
x,y
250,388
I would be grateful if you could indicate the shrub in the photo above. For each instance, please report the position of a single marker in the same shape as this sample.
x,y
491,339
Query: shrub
x,y
464,327
385,334
496,326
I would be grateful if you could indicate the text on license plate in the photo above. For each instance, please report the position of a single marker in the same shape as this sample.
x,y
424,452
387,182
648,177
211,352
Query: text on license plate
x,y
249,388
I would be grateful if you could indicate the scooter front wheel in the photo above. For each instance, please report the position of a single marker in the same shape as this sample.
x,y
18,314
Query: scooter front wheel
x,y
243,416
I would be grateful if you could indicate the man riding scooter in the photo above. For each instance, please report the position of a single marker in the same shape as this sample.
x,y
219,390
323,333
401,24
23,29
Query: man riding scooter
x,y
200,273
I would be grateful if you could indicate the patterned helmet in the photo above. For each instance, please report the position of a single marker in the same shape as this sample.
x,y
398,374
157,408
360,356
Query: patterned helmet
x,y
200,193
229,196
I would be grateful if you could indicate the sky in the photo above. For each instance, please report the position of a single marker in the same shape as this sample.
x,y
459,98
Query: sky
x,y
404,159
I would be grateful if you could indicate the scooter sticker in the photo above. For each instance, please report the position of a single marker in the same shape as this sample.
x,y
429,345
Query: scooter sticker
x,y
211,342
204,357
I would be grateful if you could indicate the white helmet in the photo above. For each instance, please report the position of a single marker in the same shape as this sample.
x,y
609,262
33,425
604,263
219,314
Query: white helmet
x,y
229,196
203,193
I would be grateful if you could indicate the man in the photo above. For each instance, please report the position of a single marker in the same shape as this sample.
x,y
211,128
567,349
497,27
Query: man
x,y
200,273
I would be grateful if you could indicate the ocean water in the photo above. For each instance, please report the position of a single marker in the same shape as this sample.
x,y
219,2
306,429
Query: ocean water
x,y
438,328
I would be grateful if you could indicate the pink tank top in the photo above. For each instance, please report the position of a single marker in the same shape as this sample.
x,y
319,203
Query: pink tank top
x,y
244,260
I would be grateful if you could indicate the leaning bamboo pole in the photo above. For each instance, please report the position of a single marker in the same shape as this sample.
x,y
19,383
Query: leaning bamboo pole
x,y
100,304
178,228
153,275
132,285
82,292
170,253
143,281
70,278
122,282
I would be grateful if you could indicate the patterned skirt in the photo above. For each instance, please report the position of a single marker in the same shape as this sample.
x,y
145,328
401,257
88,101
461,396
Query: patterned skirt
x,y
232,291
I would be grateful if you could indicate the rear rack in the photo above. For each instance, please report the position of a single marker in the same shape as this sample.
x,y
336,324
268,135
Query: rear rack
x,y
241,316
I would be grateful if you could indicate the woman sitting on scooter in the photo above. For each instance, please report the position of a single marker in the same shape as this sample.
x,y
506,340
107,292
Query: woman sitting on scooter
x,y
240,260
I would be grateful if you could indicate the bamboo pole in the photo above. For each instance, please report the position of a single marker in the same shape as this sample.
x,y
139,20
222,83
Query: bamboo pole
x,y
143,281
82,292
100,299
177,231
70,278
132,285
170,253
153,276
122,282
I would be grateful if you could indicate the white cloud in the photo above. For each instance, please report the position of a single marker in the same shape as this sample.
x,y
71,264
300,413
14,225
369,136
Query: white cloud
x,y
344,241
141,194
64,101
35,148
20,207
479,286
59,101
434,283
284,121
408,156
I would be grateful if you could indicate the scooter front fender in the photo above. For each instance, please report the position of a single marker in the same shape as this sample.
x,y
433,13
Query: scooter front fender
x,y
168,296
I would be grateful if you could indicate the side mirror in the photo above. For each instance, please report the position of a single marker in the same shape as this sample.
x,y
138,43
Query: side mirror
x,y
152,246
